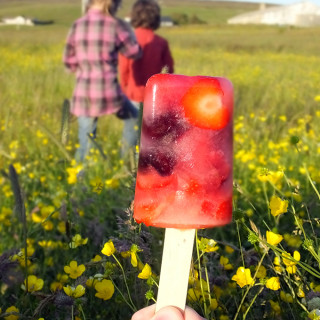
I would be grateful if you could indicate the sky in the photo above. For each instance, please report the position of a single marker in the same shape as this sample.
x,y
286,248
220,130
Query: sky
x,y
282,2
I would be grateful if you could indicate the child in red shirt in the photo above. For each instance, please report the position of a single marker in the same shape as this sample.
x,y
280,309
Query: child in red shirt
x,y
145,18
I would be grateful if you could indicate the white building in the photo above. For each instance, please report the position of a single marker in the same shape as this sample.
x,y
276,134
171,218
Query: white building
x,y
18,21
302,14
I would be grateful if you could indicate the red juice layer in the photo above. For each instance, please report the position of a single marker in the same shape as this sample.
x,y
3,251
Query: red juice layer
x,y
184,177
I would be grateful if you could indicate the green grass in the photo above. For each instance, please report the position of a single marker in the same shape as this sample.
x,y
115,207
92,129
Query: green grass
x,y
275,73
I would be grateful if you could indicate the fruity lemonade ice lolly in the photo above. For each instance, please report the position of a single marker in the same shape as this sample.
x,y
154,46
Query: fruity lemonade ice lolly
x,y
184,177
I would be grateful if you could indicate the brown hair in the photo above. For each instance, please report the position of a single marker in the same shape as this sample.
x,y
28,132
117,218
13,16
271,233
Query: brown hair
x,y
146,14
109,6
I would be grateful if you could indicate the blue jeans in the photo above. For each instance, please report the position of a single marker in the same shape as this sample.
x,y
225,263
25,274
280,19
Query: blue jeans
x,y
88,126
130,132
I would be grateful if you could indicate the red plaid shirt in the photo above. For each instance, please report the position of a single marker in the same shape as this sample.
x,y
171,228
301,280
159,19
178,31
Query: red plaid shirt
x,y
91,51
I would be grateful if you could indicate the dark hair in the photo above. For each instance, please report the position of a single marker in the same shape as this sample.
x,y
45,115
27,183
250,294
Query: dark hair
x,y
146,14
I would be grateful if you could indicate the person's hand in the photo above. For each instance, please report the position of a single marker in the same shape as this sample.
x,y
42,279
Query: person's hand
x,y
167,313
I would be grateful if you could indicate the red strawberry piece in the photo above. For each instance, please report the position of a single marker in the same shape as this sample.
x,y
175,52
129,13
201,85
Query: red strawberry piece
x,y
203,105
150,179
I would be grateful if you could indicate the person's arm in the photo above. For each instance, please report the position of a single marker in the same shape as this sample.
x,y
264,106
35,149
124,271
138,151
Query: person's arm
x,y
69,54
167,58
167,313
127,42
123,72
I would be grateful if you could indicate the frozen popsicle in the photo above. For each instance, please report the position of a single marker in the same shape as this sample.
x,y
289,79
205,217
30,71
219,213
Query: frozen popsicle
x,y
184,178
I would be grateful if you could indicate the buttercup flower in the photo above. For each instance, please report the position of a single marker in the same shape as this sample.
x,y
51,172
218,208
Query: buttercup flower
x,y
77,292
274,238
108,248
97,258
278,206
262,272
290,264
275,307
213,304
286,297
133,253
34,284
243,277
77,241
224,261
12,317
273,283
105,289
74,270
207,245
145,273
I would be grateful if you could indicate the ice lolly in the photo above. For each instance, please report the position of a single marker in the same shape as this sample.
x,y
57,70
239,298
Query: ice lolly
x,y
184,178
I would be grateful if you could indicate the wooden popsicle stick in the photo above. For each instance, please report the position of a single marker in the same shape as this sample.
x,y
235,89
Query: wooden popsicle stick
x,y
175,268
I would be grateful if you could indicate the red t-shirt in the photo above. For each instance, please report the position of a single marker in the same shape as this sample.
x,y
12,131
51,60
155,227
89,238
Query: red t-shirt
x,y
135,73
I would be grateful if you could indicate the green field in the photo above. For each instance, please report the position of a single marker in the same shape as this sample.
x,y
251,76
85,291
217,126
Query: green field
x,y
48,210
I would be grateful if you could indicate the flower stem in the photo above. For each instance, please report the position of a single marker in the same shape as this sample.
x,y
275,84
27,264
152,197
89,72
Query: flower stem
x,y
125,281
249,287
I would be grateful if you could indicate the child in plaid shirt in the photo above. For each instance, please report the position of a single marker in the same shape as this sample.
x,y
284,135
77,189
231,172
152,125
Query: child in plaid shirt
x,y
91,52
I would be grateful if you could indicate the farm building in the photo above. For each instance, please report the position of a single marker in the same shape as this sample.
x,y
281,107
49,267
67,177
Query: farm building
x,y
302,14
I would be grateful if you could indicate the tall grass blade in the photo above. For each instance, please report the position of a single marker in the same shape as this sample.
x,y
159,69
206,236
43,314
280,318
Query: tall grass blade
x,y
19,203
21,213
65,121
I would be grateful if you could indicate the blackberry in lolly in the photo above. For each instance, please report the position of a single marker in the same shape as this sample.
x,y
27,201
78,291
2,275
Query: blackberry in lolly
x,y
162,161
168,124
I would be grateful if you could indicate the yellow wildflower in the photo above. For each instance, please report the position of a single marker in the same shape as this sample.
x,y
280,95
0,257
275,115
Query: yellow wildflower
x,y
34,284
97,258
74,270
207,245
91,282
213,304
273,283
274,238
292,240
12,309
194,294
229,249
112,183
289,262
275,307
97,185
77,241
146,272
74,292
286,297
243,277
278,206
133,253
193,276
314,314
72,173
224,261
300,292
105,289
108,248
262,272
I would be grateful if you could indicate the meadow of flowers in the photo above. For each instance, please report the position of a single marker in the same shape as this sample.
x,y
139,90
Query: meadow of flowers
x,y
69,246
